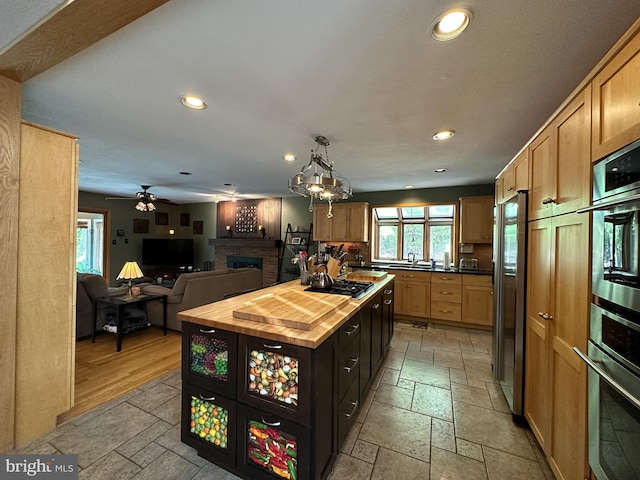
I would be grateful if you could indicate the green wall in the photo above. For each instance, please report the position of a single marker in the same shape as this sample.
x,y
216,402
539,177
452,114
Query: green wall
x,y
129,246
295,210
423,195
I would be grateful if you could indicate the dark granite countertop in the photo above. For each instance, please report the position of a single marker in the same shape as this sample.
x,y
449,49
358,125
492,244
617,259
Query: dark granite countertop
x,y
421,268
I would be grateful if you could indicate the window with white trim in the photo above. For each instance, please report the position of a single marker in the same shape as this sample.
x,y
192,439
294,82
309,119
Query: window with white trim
x,y
427,231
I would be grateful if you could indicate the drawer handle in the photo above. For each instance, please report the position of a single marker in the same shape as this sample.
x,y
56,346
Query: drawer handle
x,y
376,306
354,362
274,424
388,292
510,189
547,201
273,347
545,316
208,399
388,302
355,407
445,311
445,293
353,329
213,330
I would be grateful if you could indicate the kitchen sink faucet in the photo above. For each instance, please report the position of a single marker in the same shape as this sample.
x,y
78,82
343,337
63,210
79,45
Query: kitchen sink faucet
x,y
412,258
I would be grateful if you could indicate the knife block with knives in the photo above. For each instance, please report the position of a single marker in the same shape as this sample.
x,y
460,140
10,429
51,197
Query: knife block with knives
x,y
332,264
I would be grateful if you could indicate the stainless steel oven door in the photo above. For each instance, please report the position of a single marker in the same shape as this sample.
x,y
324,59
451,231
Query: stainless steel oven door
x,y
618,336
616,255
614,417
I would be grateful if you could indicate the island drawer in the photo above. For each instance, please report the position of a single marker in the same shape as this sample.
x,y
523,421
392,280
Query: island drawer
x,y
209,358
348,367
270,446
348,331
275,377
347,412
209,424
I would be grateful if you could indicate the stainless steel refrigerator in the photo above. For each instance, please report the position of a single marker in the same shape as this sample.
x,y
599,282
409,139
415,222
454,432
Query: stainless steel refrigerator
x,y
510,259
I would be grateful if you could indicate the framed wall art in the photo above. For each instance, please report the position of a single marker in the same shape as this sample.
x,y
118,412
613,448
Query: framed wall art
x,y
140,225
198,226
162,218
184,219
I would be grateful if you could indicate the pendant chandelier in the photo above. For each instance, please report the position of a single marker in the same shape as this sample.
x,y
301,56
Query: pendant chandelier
x,y
145,200
319,180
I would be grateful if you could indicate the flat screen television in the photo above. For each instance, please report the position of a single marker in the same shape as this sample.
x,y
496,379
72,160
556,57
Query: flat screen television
x,y
167,252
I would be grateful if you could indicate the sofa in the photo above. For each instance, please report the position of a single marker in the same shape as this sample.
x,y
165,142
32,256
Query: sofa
x,y
90,286
199,288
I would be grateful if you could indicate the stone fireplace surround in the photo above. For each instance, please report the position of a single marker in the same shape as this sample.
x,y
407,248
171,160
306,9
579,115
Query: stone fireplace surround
x,y
268,250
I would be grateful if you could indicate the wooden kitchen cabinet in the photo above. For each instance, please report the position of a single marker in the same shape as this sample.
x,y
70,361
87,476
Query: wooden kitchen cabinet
x,y
515,177
446,296
477,299
558,296
476,219
350,222
321,224
560,174
616,102
412,293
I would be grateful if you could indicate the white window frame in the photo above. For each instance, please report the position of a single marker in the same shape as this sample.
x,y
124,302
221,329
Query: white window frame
x,y
400,222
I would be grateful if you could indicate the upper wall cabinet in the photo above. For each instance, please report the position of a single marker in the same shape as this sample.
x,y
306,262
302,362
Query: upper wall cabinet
x,y
514,178
350,222
616,102
560,171
476,219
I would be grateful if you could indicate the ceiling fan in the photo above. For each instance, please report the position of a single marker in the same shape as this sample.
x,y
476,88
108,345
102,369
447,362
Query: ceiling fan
x,y
145,199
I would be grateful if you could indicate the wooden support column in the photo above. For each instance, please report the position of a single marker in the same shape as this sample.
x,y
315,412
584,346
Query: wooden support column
x,y
9,190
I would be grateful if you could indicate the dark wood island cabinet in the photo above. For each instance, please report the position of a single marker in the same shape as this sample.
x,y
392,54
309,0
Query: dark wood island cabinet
x,y
269,401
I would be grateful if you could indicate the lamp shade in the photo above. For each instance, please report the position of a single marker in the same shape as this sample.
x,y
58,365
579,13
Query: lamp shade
x,y
130,270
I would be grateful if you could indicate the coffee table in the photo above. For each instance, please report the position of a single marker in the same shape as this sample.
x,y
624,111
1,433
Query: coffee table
x,y
120,302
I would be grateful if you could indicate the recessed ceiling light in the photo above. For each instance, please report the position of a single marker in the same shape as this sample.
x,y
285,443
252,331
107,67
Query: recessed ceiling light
x,y
289,157
193,102
443,134
440,170
451,24
409,186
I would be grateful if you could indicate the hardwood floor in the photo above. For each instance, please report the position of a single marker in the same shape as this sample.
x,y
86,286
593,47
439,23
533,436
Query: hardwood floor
x,y
103,374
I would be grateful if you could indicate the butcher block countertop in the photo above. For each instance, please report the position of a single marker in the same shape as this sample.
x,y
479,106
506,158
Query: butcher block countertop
x,y
221,314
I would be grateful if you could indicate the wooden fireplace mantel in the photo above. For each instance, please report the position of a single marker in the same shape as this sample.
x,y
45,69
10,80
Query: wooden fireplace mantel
x,y
246,242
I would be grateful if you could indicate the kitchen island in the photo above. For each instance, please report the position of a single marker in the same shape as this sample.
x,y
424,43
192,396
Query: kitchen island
x,y
274,379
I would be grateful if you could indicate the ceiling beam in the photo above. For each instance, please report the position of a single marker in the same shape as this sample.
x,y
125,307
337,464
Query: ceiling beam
x,y
78,25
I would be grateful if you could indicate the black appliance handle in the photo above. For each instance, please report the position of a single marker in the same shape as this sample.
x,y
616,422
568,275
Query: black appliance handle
x,y
610,204
605,376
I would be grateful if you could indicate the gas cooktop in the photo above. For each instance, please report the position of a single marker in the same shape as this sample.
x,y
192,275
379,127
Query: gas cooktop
x,y
345,287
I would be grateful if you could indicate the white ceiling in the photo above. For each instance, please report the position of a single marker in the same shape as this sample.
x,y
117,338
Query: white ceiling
x,y
365,73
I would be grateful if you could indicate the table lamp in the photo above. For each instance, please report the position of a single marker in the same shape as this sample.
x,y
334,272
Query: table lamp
x,y
129,271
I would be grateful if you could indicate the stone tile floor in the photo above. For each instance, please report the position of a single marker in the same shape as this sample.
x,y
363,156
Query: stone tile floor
x,y
433,412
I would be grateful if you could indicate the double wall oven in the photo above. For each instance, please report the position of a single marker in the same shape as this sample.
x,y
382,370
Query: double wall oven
x,y
613,354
